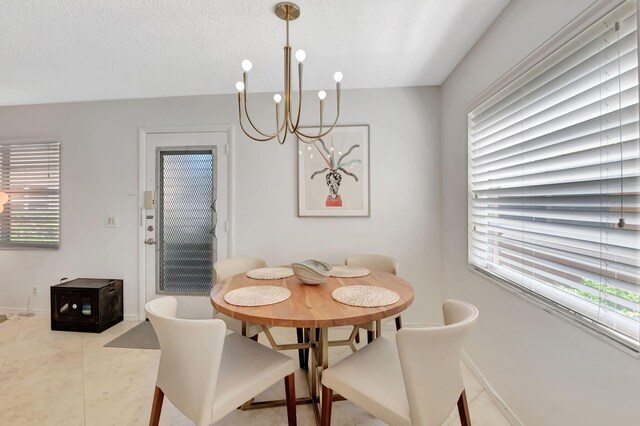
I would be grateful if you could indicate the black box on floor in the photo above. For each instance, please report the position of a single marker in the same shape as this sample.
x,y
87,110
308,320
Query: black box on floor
x,y
86,304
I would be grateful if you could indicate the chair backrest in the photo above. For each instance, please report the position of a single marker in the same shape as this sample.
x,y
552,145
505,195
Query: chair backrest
x,y
376,262
226,268
190,355
430,361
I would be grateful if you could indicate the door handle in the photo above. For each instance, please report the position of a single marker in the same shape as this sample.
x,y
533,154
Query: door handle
x,y
150,241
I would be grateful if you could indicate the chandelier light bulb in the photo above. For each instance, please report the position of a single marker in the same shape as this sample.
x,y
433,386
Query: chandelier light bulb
x,y
3,198
240,86
337,76
322,94
300,55
277,98
246,65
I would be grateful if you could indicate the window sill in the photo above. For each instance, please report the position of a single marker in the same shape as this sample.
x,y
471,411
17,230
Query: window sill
x,y
557,311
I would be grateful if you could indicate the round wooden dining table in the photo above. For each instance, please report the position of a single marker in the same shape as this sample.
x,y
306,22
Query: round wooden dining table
x,y
312,308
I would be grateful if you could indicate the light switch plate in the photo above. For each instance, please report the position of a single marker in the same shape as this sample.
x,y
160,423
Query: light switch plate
x,y
111,221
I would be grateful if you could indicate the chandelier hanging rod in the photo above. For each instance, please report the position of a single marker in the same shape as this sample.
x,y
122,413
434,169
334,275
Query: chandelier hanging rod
x,y
286,125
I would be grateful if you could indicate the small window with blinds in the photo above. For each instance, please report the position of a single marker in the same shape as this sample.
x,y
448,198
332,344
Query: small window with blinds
x,y
30,176
554,163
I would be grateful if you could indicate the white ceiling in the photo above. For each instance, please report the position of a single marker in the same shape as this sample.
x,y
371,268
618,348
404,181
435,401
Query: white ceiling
x,y
75,50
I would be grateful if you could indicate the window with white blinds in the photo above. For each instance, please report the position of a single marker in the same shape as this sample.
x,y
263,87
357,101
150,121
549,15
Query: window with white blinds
x,y
554,166
30,175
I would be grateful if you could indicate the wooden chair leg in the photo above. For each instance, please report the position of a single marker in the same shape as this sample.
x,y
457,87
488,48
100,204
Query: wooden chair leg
x,y
306,351
369,336
358,337
290,392
327,400
398,322
301,352
156,407
463,410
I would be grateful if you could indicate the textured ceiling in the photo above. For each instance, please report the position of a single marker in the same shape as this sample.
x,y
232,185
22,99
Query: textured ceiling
x,y
74,50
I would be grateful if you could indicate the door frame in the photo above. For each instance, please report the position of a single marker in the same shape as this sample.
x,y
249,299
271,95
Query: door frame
x,y
143,131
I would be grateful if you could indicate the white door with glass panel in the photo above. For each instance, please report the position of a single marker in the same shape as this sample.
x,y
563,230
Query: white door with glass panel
x,y
184,216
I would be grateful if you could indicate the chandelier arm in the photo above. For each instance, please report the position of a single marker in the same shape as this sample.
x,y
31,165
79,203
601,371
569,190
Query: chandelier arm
x,y
299,133
306,140
280,139
321,117
279,127
320,135
295,128
326,132
246,110
309,141
284,138
287,85
257,139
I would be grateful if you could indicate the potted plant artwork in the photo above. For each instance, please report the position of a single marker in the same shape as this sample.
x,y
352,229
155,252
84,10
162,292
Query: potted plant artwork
x,y
335,169
333,173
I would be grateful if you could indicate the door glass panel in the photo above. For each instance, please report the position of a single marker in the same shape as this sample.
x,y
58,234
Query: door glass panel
x,y
186,221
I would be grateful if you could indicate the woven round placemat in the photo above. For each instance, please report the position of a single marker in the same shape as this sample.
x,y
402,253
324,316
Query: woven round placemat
x,y
344,271
257,295
270,273
366,296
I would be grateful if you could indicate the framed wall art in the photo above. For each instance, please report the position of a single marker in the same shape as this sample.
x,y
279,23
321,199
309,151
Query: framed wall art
x,y
333,173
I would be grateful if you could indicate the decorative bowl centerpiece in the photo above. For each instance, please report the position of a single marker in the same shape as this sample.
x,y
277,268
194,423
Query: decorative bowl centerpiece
x,y
312,271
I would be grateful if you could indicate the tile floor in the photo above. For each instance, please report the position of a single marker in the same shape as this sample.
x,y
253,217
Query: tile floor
x,y
65,378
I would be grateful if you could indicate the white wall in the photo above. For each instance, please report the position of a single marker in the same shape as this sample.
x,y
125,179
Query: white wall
x,y
548,371
100,171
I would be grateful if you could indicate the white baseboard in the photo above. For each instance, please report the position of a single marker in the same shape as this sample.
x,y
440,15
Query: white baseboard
x,y
506,411
46,312
10,311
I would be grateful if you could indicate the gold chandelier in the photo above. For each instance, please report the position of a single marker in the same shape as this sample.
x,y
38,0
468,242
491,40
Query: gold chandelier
x,y
287,124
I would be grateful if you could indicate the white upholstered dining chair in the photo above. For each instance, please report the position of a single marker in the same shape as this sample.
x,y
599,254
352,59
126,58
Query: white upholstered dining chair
x,y
206,374
236,265
414,380
227,268
376,262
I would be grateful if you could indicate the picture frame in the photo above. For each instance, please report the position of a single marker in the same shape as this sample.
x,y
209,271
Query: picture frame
x,y
334,173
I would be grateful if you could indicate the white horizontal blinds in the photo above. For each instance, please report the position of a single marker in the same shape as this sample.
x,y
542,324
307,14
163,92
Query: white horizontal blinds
x,y
30,175
554,164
